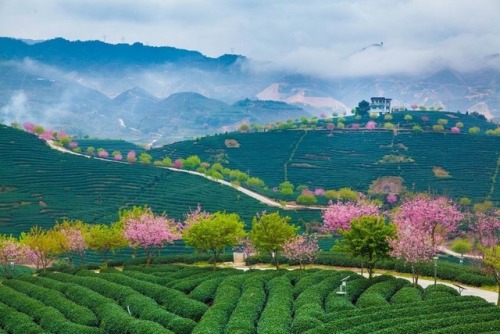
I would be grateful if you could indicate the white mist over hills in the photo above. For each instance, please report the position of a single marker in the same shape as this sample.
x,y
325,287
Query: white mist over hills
x,y
141,93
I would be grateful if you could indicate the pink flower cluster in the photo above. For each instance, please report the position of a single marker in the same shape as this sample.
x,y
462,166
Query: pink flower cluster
x,y
131,156
338,216
149,231
303,248
487,229
371,125
102,154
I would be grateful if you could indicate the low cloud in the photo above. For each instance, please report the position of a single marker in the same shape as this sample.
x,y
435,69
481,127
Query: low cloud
x,y
317,37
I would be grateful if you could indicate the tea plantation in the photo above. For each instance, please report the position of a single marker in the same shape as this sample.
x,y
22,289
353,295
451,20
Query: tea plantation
x,y
39,185
186,299
456,165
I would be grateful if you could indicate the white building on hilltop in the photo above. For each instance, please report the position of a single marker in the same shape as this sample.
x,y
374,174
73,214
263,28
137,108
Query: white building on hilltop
x,y
380,104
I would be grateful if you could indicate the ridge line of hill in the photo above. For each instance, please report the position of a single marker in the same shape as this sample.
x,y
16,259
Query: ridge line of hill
x,y
248,192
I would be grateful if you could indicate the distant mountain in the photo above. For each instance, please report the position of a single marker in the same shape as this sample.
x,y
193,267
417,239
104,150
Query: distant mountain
x,y
143,94
95,54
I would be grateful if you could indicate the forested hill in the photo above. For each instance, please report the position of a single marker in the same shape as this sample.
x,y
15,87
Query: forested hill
x,y
78,54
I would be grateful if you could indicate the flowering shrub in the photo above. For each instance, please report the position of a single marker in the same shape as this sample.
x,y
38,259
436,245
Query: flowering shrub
x,y
102,153
303,249
391,198
131,156
371,125
338,216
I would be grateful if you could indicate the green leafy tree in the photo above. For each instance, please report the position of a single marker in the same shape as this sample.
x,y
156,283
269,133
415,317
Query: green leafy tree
x,y
307,199
213,233
145,158
461,246
191,162
105,239
474,130
491,260
44,246
367,239
286,188
270,232
363,108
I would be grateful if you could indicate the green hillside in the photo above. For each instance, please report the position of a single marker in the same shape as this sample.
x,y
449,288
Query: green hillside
x,y
457,165
183,299
39,185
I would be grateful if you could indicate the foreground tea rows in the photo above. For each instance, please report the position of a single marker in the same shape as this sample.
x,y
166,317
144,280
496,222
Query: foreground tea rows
x,y
187,299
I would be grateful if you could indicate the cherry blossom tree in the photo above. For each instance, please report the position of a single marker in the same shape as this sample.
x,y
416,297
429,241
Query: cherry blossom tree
x,y
436,217
150,231
302,248
194,216
391,198
29,127
11,252
338,216
102,153
319,191
117,155
455,129
486,228
131,156
422,224
177,164
413,246
74,240
46,135
371,125
43,246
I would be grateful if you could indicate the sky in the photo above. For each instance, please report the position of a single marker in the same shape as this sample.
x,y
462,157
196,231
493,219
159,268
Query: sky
x,y
322,37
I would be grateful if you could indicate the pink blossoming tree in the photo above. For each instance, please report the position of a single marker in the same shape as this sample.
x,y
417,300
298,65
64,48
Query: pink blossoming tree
x,y
302,248
29,127
11,252
371,125
391,198
437,217
131,156
338,216
102,153
74,239
422,224
149,231
487,232
414,247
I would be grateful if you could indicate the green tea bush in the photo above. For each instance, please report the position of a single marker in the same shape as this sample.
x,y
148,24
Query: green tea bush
x,y
174,301
378,294
205,292
48,317
276,318
407,294
16,322
246,314
217,316
336,303
438,291
71,310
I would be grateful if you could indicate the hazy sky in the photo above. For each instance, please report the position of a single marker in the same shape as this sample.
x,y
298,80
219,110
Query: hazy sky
x,y
315,36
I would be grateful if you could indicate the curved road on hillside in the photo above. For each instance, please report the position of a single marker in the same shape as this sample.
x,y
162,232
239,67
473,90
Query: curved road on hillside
x,y
259,197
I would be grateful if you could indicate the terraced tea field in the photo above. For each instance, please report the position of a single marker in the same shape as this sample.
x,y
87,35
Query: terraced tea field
x,y
456,165
39,186
184,299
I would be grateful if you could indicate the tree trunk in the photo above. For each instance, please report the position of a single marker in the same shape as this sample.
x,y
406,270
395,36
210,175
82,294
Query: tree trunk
x,y
148,254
